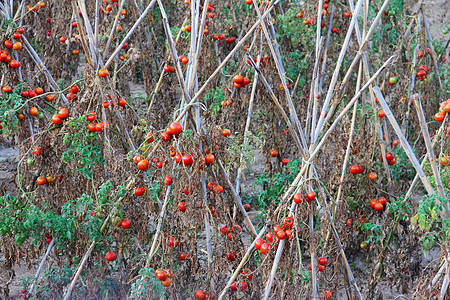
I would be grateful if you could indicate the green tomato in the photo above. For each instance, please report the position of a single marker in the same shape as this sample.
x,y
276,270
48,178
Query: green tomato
x,y
391,12
446,30
30,161
40,115
393,79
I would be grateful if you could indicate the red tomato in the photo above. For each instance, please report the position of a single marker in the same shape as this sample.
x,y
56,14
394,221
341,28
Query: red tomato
x,y
187,160
168,180
175,128
298,198
182,206
258,243
110,256
265,248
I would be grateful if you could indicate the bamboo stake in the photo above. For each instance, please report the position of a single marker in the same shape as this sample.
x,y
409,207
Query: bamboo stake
x,y
111,33
82,37
405,145
429,146
413,76
349,143
325,54
281,73
249,119
197,51
41,266
89,32
416,178
314,100
336,70
173,50
158,227
97,5
280,108
312,251
237,199
364,43
161,77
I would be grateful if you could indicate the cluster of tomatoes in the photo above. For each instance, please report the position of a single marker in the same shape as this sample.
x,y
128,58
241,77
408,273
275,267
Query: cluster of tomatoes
x,y
390,158
282,232
170,241
35,8
183,59
242,286
422,73
214,187
62,114
230,233
4,53
165,276
169,69
444,108
309,197
264,59
200,294
240,81
226,103
356,169
125,224
379,204
322,263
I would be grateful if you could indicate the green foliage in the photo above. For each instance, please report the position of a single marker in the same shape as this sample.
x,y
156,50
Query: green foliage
x,y
140,287
399,209
83,148
273,187
27,221
10,105
214,97
247,149
373,232
431,219
292,28
403,168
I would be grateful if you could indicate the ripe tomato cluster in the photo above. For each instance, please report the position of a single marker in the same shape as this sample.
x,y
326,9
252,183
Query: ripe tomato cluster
x,y
240,81
356,169
281,232
165,276
390,158
379,204
444,108
322,263
423,70
230,233
309,197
